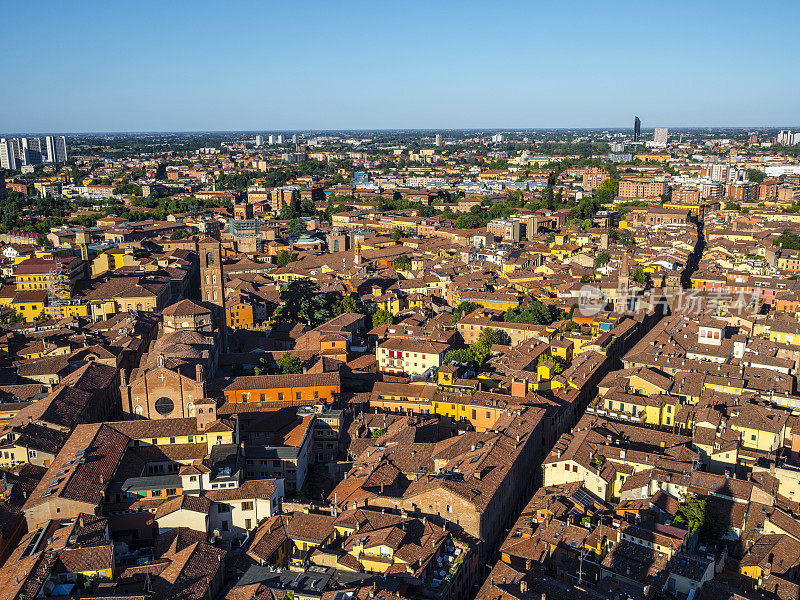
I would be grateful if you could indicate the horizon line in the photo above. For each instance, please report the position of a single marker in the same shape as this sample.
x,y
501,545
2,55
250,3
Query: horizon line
x,y
397,129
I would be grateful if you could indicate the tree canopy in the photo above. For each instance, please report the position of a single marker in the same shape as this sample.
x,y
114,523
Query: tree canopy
x,y
463,309
302,302
788,240
536,312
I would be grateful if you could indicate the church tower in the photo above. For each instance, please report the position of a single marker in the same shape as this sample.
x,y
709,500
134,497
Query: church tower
x,y
212,282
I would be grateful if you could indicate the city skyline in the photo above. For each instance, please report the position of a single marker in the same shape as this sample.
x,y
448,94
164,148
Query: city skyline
x,y
256,68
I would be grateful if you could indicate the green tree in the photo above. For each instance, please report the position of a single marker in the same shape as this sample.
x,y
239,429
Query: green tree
x,y
691,514
602,259
381,317
295,228
263,366
489,336
607,191
344,304
459,355
640,276
290,365
788,240
756,175
302,302
463,309
307,208
467,221
285,257
536,313
397,234
480,351
402,263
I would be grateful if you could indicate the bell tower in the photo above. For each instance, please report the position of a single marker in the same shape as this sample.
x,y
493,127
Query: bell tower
x,y
212,283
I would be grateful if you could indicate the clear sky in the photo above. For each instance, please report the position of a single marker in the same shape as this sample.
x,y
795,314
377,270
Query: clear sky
x,y
228,65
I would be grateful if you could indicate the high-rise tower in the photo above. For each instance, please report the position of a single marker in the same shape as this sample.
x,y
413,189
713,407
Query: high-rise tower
x,y
637,129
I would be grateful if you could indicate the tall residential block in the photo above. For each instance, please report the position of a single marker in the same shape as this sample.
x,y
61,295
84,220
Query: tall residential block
x,y
56,148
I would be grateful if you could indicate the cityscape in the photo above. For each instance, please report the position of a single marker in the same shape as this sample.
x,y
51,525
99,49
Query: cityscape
x,y
378,303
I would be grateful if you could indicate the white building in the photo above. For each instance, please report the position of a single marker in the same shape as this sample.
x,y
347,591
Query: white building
x,y
56,148
8,159
413,357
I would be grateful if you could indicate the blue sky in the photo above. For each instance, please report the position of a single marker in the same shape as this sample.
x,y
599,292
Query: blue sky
x,y
184,66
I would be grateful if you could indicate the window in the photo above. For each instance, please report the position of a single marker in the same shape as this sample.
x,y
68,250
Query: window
x,y
263,397
753,437
164,406
172,492
280,396
224,526
223,508
156,493
248,524
247,505
316,395
449,508
172,440
297,395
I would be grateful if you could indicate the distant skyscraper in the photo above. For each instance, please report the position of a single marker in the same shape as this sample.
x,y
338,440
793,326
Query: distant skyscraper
x,y
17,145
31,151
280,138
259,141
637,129
271,140
8,160
438,139
660,136
56,148
294,138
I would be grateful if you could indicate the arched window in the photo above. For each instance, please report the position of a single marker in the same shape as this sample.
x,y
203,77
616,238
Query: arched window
x,y
190,409
209,258
138,409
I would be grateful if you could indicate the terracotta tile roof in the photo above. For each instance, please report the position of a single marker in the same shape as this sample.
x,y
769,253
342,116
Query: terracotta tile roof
x,y
262,382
